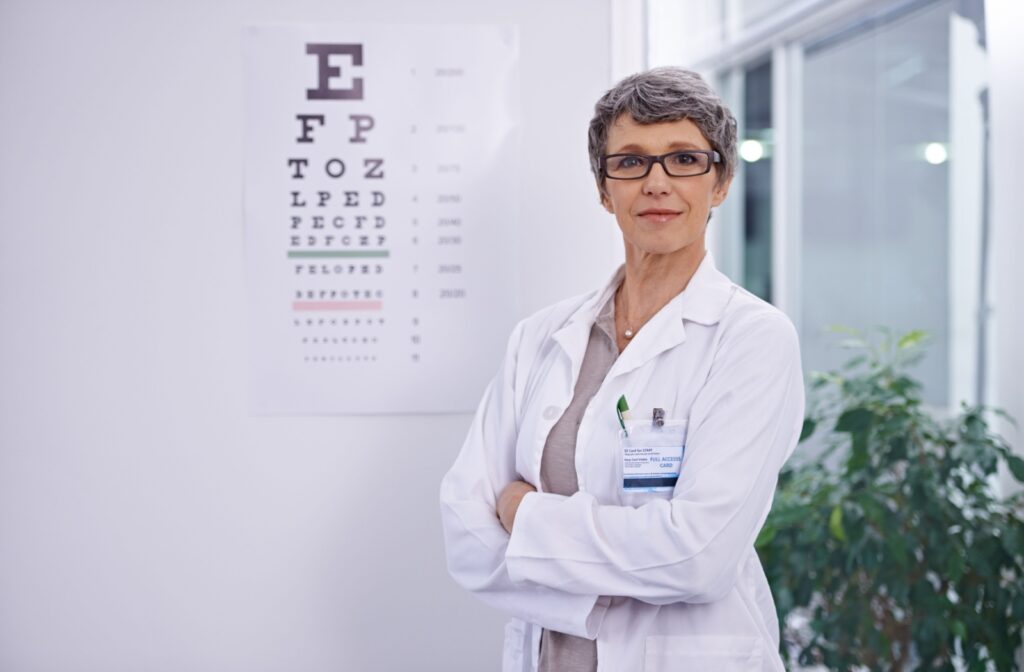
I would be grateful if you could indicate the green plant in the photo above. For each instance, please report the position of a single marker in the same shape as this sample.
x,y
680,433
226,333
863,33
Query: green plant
x,y
889,549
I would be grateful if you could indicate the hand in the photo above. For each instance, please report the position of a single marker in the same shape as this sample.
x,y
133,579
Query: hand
x,y
508,502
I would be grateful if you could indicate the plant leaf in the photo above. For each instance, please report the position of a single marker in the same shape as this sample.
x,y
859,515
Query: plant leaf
x,y
854,362
911,338
854,420
955,566
842,329
1016,467
835,524
765,536
807,429
1005,416
859,457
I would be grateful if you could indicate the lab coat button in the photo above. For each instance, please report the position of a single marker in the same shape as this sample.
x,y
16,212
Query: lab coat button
x,y
551,412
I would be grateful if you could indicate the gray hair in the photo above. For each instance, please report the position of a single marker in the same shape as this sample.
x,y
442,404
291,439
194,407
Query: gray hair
x,y
665,94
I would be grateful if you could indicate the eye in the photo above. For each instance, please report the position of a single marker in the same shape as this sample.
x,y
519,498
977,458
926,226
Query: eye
x,y
628,161
684,158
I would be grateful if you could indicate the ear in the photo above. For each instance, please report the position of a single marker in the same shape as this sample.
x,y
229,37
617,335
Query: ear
x,y
603,197
719,193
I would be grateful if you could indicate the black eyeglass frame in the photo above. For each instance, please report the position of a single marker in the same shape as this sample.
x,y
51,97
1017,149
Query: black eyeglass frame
x,y
713,156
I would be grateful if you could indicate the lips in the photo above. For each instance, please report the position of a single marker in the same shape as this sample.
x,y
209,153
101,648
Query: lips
x,y
658,214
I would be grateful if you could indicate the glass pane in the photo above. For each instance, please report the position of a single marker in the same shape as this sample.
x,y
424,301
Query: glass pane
x,y
756,154
875,247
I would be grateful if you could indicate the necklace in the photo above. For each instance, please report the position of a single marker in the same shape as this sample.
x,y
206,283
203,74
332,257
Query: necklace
x,y
628,333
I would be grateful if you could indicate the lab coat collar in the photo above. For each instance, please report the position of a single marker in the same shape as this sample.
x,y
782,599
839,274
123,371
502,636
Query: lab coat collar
x,y
702,301
706,296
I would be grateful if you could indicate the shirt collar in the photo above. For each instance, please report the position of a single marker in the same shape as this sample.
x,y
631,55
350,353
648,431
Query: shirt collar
x,y
703,300
606,319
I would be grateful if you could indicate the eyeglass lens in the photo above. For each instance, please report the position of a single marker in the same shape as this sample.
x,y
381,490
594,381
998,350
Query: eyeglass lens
x,y
678,164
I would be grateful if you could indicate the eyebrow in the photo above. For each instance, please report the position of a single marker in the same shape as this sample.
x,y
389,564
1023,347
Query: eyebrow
x,y
674,147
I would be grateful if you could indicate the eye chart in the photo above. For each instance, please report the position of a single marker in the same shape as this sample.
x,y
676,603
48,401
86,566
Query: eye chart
x,y
381,178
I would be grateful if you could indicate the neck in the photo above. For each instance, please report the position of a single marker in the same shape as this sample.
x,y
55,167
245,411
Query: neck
x,y
652,280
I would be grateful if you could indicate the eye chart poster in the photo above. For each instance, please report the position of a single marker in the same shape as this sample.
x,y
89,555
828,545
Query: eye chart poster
x,y
381,181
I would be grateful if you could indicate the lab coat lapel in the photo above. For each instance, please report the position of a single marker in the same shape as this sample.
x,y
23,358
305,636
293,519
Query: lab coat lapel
x,y
703,301
663,332
574,335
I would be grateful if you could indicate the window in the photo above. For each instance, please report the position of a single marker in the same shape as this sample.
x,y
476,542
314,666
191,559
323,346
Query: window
x,y
858,198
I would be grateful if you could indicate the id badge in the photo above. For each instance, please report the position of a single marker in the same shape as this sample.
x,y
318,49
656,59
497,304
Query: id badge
x,y
652,455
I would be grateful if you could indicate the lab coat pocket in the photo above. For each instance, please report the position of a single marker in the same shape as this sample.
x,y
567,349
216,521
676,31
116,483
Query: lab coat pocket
x,y
703,653
512,659
650,460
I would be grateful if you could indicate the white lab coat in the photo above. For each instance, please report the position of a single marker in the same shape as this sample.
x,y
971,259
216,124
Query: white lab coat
x,y
671,582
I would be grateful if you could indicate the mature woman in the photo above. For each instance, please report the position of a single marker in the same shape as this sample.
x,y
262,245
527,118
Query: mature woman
x,y
620,545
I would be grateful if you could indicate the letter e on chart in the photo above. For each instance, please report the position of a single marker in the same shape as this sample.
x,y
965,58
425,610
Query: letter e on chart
x,y
326,72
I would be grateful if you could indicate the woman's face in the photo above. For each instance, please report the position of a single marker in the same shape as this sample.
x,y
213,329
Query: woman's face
x,y
659,214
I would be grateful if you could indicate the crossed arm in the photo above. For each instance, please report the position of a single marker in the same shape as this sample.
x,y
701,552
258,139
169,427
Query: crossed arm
x,y
743,424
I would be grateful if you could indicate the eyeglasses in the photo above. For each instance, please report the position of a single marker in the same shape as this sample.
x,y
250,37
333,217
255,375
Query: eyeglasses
x,y
676,164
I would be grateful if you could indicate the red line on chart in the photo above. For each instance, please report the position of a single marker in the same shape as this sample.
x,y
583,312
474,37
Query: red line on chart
x,y
337,305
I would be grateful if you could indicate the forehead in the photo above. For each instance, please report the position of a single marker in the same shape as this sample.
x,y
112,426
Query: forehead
x,y
626,135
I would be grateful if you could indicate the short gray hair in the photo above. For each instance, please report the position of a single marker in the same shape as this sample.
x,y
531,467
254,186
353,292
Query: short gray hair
x,y
665,94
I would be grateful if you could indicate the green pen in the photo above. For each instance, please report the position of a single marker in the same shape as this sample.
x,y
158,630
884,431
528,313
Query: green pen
x,y
622,410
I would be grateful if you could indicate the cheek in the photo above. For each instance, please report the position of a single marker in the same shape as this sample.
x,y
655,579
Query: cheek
x,y
618,199
706,196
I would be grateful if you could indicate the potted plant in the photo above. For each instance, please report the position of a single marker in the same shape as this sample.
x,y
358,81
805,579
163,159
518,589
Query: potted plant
x,y
888,548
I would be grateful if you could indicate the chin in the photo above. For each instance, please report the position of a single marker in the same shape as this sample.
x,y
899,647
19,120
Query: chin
x,y
655,246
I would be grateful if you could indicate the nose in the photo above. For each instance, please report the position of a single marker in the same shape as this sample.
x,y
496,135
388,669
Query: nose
x,y
657,181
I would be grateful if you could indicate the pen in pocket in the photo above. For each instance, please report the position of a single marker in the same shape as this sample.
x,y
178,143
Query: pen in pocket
x,y
622,410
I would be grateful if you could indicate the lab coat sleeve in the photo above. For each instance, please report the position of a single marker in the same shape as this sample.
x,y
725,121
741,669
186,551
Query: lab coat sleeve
x,y
743,425
475,541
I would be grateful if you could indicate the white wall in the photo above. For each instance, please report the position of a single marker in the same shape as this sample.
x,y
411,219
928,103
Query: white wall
x,y
147,522
1004,19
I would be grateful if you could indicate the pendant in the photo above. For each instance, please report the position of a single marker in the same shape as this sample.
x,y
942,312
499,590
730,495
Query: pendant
x,y
628,333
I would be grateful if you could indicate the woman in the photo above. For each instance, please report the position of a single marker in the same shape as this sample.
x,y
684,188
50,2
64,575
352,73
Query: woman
x,y
604,564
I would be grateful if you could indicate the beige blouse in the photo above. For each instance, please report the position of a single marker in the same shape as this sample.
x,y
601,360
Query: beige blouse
x,y
560,652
